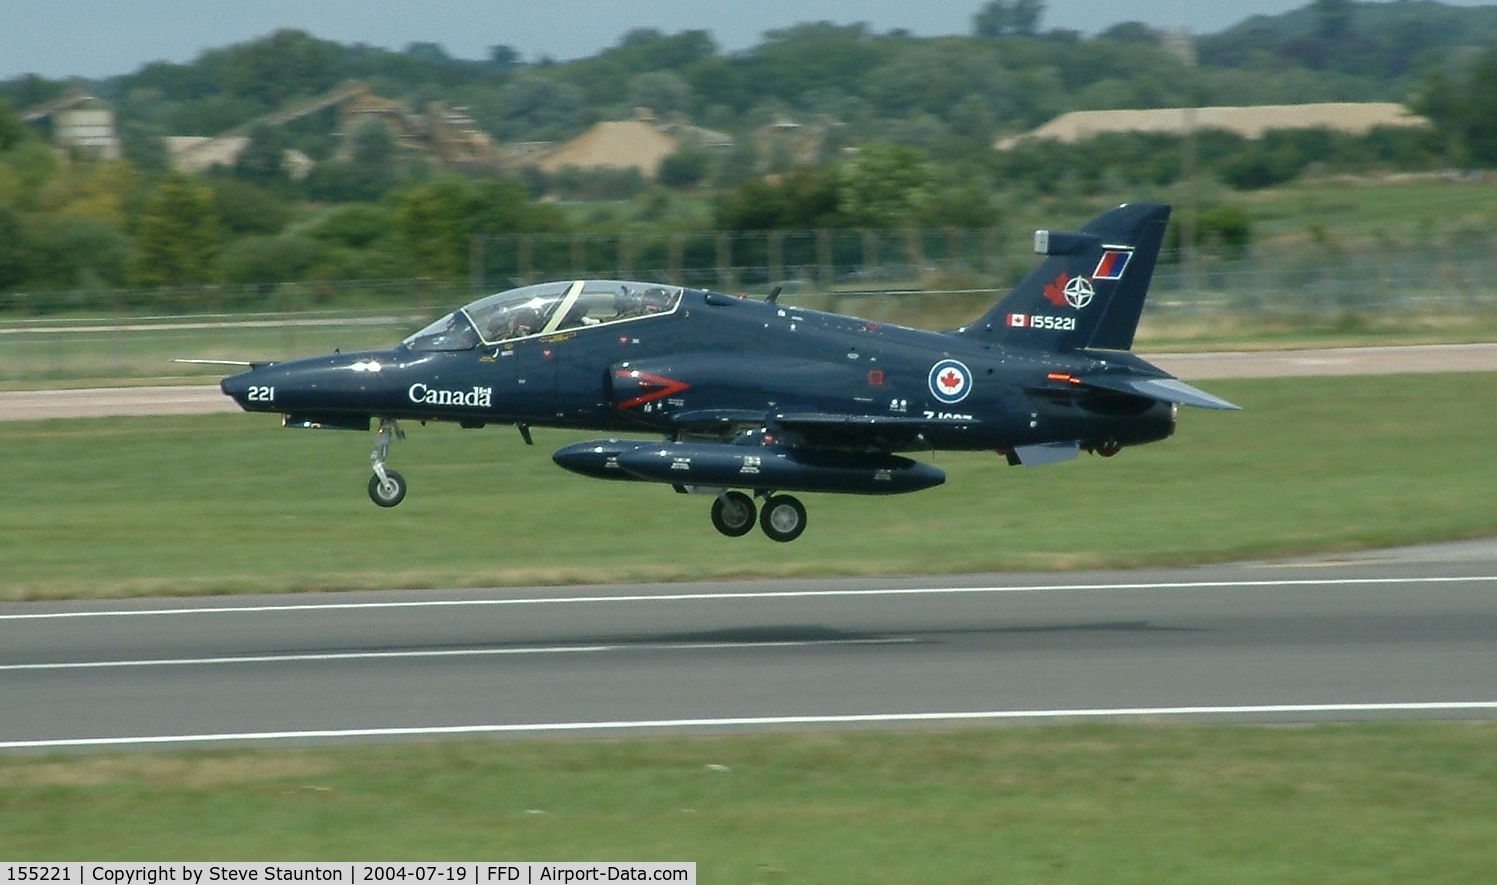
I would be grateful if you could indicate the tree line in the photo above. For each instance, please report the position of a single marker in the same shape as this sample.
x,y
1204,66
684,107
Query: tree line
x,y
906,133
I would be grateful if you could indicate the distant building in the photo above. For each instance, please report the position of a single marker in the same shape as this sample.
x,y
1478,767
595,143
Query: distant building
x,y
642,143
199,153
788,143
1356,118
445,133
80,124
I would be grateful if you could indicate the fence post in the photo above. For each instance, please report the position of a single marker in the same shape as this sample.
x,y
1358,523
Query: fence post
x,y
990,262
824,259
677,250
626,255
475,264
579,256
916,250
724,262
776,257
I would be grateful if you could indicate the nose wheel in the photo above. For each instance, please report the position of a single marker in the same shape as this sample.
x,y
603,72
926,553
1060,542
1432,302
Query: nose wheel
x,y
386,487
387,490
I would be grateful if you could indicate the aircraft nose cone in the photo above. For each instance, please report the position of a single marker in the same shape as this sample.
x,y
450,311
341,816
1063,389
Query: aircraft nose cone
x,y
236,387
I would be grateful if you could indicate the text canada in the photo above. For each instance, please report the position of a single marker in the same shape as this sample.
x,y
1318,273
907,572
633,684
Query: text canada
x,y
478,397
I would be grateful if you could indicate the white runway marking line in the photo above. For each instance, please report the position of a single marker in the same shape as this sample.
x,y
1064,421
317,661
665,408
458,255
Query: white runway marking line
x,y
761,721
755,594
446,653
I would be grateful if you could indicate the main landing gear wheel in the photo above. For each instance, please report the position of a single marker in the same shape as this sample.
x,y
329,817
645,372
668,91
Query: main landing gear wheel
x,y
389,491
783,518
733,514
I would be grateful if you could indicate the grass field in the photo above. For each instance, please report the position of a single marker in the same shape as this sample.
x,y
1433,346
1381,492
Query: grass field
x,y
234,503
1096,803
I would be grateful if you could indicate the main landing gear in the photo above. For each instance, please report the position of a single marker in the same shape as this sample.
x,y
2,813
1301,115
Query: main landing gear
x,y
782,519
386,487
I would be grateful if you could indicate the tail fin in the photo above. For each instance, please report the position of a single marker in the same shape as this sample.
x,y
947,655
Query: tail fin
x,y
1089,292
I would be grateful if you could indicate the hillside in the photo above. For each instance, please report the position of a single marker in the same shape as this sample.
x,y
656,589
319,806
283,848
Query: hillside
x,y
355,162
928,92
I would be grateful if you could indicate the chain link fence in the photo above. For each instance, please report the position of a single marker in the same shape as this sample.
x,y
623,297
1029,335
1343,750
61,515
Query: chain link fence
x,y
931,278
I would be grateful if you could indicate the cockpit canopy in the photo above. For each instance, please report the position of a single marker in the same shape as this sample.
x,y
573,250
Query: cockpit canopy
x,y
543,309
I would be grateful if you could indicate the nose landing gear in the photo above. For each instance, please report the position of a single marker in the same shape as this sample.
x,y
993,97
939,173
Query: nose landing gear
x,y
386,487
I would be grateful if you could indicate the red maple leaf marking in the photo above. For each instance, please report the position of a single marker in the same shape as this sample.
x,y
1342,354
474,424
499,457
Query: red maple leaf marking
x,y
1055,292
950,379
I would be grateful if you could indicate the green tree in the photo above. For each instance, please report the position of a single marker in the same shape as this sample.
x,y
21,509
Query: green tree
x,y
1479,111
1228,228
69,252
1333,19
886,186
663,92
1000,18
685,168
263,160
268,259
805,198
275,69
356,226
14,269
12,130
1440,102
440,218
372,171
538,108
178,236
244,208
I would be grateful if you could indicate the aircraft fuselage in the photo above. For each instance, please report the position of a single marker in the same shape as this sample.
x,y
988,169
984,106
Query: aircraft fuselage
x,y
720,361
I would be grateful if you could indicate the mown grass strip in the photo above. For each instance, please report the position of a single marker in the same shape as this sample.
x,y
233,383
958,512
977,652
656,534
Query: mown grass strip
x,y
1370,802
233,503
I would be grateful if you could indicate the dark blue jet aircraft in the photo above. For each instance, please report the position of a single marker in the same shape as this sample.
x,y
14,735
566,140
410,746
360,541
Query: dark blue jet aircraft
x,y
766,398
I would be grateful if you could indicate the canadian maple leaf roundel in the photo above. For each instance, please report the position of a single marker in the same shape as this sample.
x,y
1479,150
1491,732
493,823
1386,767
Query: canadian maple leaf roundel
x,y
1055,292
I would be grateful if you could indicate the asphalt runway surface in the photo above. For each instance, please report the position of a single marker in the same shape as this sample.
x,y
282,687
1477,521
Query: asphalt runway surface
x,y
35,405
1408,633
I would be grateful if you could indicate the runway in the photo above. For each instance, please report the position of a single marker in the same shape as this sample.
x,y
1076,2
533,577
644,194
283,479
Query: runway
x,y
37,405
1399,634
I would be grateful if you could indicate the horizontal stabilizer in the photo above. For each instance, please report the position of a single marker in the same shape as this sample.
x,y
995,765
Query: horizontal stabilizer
x,y
1170,390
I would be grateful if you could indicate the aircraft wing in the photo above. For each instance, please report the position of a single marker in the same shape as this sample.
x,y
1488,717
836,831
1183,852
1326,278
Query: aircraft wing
x,y
888,432
825,428
1170,390
811,420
